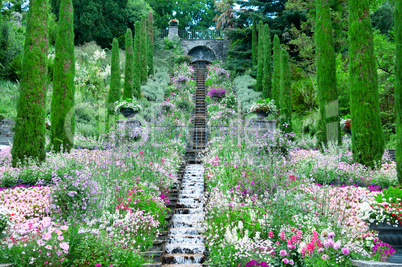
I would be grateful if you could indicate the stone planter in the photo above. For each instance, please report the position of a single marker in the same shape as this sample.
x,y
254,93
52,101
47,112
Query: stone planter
x,y
128,112
346,131
262,114
391,235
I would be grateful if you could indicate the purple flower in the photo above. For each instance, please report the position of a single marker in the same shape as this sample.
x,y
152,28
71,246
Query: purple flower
x,y
345,251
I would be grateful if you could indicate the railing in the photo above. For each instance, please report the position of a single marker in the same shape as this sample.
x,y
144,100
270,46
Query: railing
x,y
194,34
200,34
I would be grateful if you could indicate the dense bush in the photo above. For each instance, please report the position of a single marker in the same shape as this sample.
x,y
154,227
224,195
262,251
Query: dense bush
x,y
245,95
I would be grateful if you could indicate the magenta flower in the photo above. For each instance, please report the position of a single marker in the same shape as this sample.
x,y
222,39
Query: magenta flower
x,y
285,261
345,251
283,253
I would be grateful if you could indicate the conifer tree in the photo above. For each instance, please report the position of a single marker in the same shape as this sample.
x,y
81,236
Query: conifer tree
x,y
29,138
62,123
267,77
150,58
137,61
254,44
129,68
260,70
326,73
115,84
144,48
367,136
398,86
285,94
276,77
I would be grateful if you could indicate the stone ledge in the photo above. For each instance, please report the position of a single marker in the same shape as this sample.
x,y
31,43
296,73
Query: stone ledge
x,y
375,264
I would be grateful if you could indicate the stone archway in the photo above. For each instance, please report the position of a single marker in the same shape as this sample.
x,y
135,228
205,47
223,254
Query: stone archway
x,y
202,53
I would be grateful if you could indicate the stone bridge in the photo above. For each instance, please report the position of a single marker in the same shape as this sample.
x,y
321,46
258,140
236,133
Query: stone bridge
x,y
206,45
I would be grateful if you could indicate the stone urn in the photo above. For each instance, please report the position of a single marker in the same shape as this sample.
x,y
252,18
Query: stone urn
x,y
391,235
128,112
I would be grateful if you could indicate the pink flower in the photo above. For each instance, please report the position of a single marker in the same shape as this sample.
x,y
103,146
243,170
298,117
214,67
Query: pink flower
x,y
49,247
283,253
331,235
345,251
291,262
285,261
40,242
324,257
337,245
64,245
64,227
238,145
47,236
60,238
292,177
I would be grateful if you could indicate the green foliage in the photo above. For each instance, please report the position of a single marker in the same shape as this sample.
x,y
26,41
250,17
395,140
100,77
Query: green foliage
x,y
137,59
154,89
254,44
398,87
267,72
143,50
29,138
239,58
115,83
276,76
285,95
326,73
136,10
383,18
260,69
367,137
129,68
62,107
8,100
245,95
391,195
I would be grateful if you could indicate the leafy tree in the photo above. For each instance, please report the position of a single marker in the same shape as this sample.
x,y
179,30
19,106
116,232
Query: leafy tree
x,y
239,56
254,44
192,14
98,20
267,74
115,84
137,60
143,49
367,135
398,86
129,68
276,88
383,18
29,139
136,10
260,70
285,95
62,107
326,73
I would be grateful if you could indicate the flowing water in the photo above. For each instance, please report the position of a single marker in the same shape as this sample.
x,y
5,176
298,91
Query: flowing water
x,y
185,245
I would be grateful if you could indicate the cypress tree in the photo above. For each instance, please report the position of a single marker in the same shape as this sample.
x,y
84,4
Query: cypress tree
x,y
29,139
137,61
150,58
115,84
267,77
254,44
276,77
62,124
285,93
144,48
129,68
398,86
367,136
260,70
326,73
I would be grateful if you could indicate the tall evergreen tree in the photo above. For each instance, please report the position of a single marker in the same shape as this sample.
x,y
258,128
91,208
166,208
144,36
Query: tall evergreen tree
x,y
276,77
137,60
144,48
267,77
254,44
150,59
398,86
29,139
115,84
367,136
285,93
129,68
326,73
62,107
260,70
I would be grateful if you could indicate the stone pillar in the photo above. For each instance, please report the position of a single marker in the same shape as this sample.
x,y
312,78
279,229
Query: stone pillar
x,y
173,32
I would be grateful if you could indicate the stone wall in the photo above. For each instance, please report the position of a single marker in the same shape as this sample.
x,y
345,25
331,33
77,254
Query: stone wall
x,y
6,132
218,46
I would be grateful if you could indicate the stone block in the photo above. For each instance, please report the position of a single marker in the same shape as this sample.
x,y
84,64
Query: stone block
x,y
359,263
